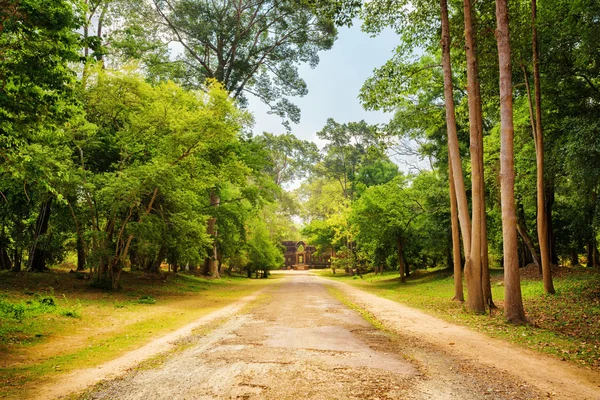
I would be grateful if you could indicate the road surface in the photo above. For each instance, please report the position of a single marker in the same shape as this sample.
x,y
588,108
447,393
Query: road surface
x,y
298,341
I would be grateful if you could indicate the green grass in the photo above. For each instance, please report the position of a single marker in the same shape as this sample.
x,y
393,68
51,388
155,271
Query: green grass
x,y
53,323
564,324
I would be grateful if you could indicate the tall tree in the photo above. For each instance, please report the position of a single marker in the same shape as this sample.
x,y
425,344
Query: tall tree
x,y
513,303
473,267
458,196
252,47
542,220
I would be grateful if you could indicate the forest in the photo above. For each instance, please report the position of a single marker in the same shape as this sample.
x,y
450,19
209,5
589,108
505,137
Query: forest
x,y
126,141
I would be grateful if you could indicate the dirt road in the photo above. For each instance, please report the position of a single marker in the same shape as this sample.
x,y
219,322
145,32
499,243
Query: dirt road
x,y
299,342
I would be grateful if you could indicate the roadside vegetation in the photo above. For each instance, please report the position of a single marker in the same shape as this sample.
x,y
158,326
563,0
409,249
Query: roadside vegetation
x,y
564,325
54,323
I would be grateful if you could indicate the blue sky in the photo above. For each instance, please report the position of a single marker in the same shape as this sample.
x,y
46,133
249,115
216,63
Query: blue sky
x,y
333,86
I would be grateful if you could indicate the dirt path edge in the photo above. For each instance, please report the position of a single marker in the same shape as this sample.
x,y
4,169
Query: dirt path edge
x,y
79,380
559,379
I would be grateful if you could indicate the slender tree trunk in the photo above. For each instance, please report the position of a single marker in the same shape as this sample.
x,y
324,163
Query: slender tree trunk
x,y
513,303
211,266
550,225
453,147
542,227
485,264
80,254
38,252
485,267
529,243
574,257
473,268
458,286
401,260
522,229
154,265
5,262
17,259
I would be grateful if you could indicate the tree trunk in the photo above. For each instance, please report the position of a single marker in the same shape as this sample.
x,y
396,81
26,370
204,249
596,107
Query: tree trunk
x,y
473,269
154,266
210,263
401,260
529,243
542,227
522,229
592,260
574,257
486,283
5,262
38,253
458,286
550,225
80,254
513,303
453,147
17,259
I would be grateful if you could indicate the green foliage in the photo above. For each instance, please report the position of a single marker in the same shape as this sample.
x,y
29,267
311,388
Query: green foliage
x,y
251,47
21,316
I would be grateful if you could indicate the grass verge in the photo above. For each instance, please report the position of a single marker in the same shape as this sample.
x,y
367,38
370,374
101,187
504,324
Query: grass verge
x,y
564,325
85,327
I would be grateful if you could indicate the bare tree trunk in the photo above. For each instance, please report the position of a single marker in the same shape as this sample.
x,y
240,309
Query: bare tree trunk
x,y
551,237
17,259
38,252
453,148
459,209
80,254
513,303
542,227
5,262
529,243
401,260
473,269
574,257
485,264
458,286
211,264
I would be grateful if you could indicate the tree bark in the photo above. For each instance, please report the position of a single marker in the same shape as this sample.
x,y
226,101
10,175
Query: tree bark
x,y
550,225
542,227
458,286
513,303
486,284
401,260
592,257
81,256
473,269
38,253
522,229
211,263
529,243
